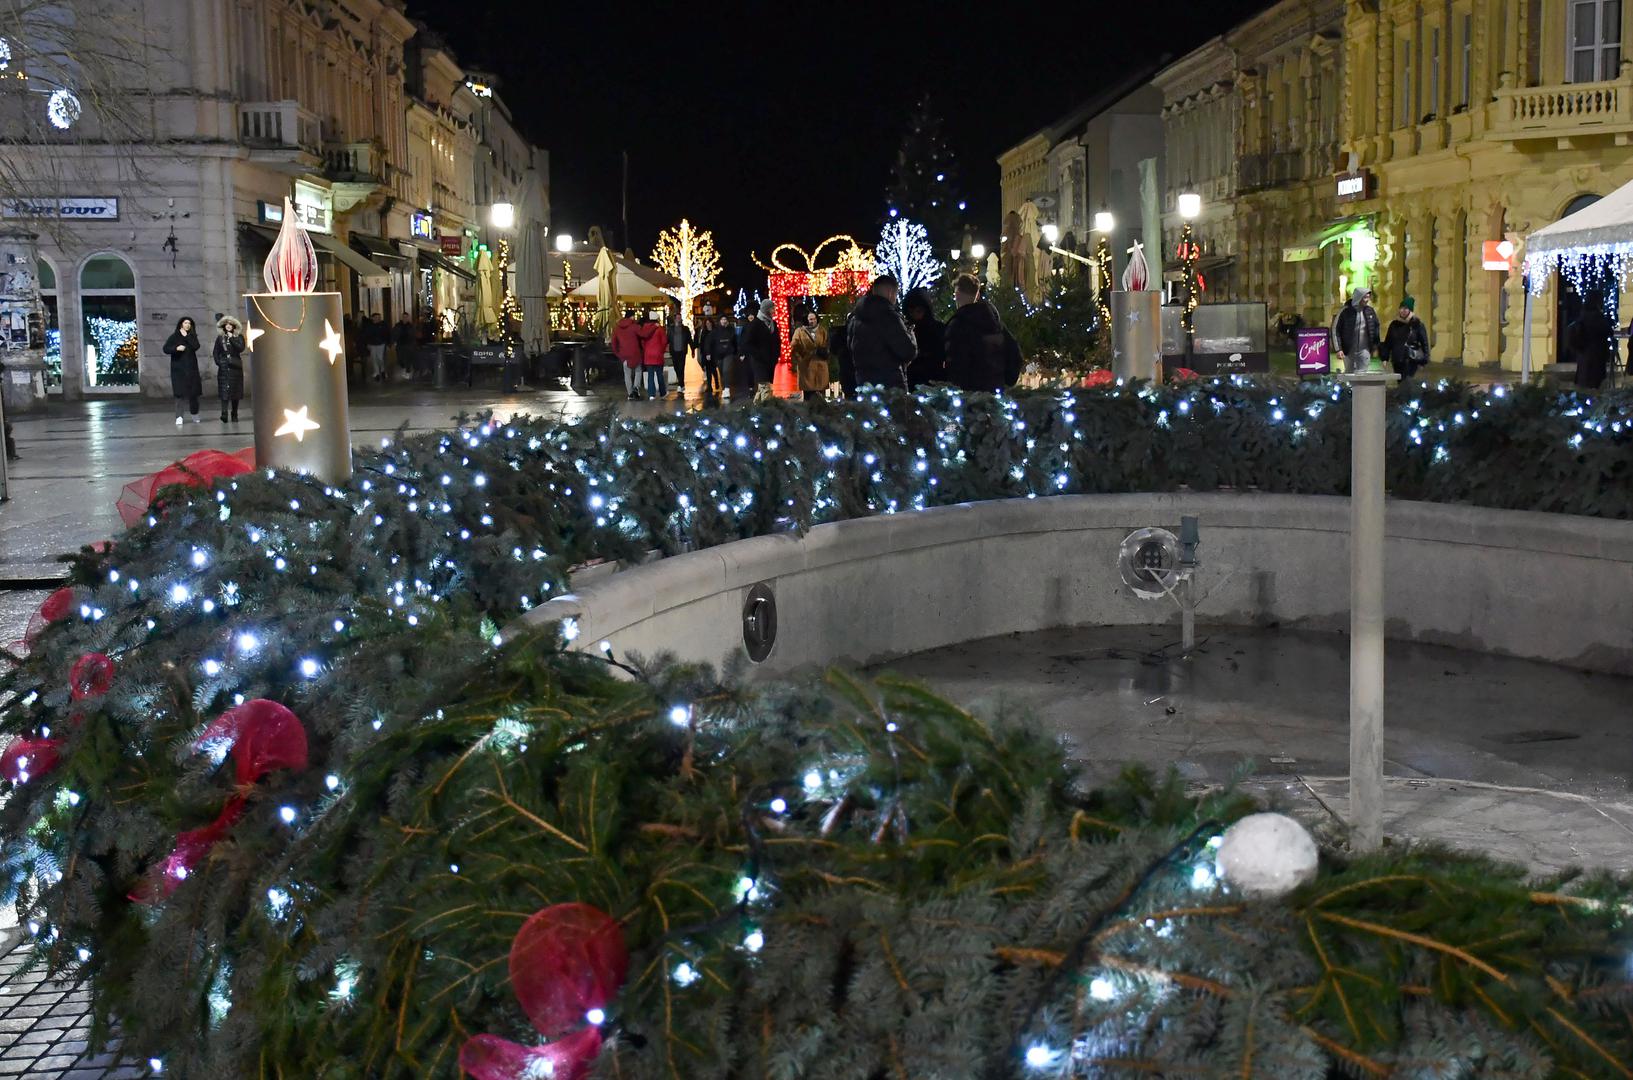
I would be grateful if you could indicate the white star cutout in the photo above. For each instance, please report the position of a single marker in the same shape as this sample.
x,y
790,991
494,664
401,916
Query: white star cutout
x,y
1133,316
296,423
250,334
331,343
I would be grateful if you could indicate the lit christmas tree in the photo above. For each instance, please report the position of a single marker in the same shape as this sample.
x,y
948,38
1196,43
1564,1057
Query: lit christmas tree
x,y
924,181
905,253
1190,280
689,254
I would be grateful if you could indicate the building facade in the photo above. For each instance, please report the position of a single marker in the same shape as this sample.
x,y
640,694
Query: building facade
x,y
253,102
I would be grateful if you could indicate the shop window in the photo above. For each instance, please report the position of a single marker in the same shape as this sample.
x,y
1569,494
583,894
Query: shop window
x,y
107,302
1595,40
47,275
1466,61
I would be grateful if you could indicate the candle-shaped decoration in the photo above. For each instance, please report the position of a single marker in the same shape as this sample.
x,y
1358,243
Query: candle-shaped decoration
x,y
1136,322
297,363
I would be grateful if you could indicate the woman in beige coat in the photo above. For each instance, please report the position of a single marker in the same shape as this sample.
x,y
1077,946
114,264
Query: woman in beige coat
x,y
810,357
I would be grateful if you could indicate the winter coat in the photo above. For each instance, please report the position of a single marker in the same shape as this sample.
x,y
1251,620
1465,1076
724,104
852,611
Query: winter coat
x,y
653,344
1398,339
976,347
1590,344
720,347
1344,329
626,346
403,336
762,344
185,381
810,356
376,332
229,365
840,365
929,363
680,337
880,343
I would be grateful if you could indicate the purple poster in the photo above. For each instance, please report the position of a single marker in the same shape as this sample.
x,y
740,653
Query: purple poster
x,y
1314,350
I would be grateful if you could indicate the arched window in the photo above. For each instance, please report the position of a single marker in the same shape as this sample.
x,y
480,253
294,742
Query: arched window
x,y
47,275
107,301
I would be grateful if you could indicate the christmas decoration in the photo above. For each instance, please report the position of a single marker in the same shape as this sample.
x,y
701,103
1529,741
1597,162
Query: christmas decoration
x,y
298,379
1266,855
1103,278
905,254
353,917
63,108
198,469
924,181
90,677
567,964
53,609
850,275
689,254
1190,281
1136,275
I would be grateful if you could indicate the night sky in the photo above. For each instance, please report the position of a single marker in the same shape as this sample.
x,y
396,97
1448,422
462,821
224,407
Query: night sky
x,y
768,123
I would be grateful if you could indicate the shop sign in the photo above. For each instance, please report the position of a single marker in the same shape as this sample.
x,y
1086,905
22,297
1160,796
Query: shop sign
x,y
314,207
1301,253
78,209
1352,186
420,226
1314,350
452,246
1497,255
269,214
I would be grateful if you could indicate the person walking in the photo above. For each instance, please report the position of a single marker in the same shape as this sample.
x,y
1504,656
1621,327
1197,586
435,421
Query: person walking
x,y
881,345
762,347
403,337
719,357
185,382
228,354
978,347
654,342
1355,331
680,343
1406,342
929,363
810,356
626,346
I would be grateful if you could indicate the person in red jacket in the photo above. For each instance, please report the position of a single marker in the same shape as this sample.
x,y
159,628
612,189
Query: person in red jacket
x,y
654,344
626,346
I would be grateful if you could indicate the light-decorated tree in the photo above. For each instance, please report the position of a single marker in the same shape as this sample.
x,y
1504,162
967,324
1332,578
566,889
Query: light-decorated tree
x,y
689,254
904,252
924,180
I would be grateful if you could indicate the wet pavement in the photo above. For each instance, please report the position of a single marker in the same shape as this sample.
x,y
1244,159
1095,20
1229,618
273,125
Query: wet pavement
x,y
1523,760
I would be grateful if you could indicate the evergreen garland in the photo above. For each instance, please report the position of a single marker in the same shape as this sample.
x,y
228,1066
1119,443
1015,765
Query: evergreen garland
x,y
934,892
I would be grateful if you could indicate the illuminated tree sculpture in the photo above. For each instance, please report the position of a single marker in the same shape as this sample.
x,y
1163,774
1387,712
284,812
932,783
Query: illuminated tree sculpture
x,y
688,254
905,253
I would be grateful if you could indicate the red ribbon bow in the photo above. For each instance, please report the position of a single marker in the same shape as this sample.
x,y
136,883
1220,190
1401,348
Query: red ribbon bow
x,y
566,961
199,469
23,759
263,736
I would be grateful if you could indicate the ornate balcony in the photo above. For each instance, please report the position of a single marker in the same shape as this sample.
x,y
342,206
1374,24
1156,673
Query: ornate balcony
x,y
1564,113
280,133
357,171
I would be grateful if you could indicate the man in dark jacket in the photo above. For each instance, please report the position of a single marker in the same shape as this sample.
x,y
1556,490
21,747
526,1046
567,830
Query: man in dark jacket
x,y
377,335
680,343
761,345
881,345
929,363
977,343
1406,342
402,339
1355,331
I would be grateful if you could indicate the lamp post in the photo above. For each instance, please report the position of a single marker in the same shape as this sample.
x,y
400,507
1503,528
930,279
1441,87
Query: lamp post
x,y
564,242
1189,204
1104,225
503,217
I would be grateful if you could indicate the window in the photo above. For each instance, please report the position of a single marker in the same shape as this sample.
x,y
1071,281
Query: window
x,y
1595,40
107,292
1434,70
1403,107
53,333
1466,77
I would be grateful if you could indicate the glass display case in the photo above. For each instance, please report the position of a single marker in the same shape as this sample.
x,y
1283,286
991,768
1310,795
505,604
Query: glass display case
x,y
1228,339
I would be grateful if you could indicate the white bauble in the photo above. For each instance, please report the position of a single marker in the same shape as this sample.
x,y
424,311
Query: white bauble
x,y
1266,855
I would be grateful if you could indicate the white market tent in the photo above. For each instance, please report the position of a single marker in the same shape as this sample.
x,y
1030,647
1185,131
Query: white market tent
x,y
1598,232
634,282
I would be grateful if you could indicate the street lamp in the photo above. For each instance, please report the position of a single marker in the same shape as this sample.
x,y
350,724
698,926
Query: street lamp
x,y
1051,234
503,215
956,253
1104,223
978,251
564,242
1189,205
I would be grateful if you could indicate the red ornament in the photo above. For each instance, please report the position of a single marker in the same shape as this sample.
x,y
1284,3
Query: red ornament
x,y
1099,377
264,736
24,759
565,961
91,676
58,606
199,469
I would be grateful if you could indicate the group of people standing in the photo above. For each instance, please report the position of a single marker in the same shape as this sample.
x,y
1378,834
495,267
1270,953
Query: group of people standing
x,y
1404,346
879,344
187,384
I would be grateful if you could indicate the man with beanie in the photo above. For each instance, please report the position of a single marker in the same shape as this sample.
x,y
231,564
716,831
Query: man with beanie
x,y
1355,331
1406,342
762,344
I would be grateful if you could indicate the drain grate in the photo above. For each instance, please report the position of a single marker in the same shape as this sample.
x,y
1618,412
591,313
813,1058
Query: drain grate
x,y
1546,735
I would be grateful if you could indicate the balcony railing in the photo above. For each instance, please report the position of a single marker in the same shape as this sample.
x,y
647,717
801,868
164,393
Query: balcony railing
x,y
279,125
1561,111
360,162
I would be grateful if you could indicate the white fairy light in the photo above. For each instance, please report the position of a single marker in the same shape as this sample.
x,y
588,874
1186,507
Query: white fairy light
x,y
685,974
779,806
1101,988
595,1017
680,716
286,814
1040,1056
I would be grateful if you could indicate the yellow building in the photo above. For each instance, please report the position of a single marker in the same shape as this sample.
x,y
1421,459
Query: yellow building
x,y
1475,121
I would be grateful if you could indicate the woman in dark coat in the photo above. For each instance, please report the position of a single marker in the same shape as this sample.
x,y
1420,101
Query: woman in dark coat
x,y
185,383
229,365
1590,342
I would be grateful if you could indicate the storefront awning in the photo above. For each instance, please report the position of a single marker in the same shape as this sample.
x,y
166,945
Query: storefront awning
x,y
436,261
377,248
369,274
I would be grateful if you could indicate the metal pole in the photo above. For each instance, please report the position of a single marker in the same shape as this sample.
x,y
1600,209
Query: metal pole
x,y
5,463
1525,346
1366,677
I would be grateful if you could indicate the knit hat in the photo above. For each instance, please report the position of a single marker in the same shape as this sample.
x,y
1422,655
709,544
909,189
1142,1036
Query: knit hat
x,y
1408,303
